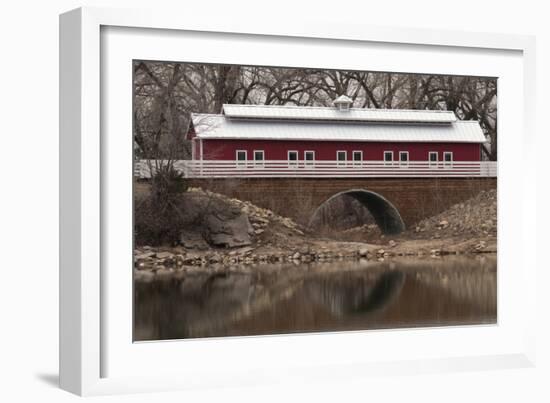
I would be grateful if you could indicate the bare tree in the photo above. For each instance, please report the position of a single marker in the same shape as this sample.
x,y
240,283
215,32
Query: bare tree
x,y
165,95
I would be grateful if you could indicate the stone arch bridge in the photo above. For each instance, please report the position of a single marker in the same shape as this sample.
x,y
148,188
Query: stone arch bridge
x,y
395,203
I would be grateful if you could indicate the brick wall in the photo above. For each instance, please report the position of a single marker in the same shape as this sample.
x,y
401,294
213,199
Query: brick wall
x,y
415,198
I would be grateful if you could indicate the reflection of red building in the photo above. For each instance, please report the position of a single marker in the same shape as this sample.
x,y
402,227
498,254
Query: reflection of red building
x,y
288,133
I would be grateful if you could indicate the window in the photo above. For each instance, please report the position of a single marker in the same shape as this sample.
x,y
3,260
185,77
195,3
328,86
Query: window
x,y
309,156
388,156
341,157
403,157
292,158
357,156
240,156
448,158
432,158
259,157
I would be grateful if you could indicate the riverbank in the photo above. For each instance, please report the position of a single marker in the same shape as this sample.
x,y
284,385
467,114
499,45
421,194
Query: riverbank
x,y
149,258
239,233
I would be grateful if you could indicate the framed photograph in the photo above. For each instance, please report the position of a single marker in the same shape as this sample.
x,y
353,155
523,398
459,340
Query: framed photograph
x,y
240,203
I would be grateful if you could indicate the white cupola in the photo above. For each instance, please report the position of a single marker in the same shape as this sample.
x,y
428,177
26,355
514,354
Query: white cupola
x,y
343,103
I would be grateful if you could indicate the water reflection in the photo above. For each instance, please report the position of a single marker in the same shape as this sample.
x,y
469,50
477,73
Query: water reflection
x,y
317,297
354,293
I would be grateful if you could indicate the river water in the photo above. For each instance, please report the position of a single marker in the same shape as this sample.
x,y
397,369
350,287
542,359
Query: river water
x,y
316,297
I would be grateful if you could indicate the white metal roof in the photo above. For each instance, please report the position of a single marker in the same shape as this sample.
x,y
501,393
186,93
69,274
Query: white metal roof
x,y
342,99
219,127
326,113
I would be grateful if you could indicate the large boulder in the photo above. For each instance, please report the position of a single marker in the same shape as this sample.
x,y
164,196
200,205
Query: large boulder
x,y
229,230
213,221
193,239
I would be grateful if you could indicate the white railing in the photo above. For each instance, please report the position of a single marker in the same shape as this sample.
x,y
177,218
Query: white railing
x,y
322,169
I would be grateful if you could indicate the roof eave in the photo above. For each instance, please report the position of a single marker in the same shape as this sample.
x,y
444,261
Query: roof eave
x,y
339,120
340,139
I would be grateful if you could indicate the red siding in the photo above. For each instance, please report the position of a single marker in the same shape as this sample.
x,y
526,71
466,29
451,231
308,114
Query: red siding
x,y
196,148
326,150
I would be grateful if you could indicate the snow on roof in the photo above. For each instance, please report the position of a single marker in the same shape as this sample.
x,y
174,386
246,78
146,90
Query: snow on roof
x,y
287,112
208,126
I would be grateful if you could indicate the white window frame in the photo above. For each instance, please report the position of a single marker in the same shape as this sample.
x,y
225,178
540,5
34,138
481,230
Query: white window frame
x,y
259,163
404,163
445,162
292,162
433,164
309,162
360,152
241,162
384,157
344,161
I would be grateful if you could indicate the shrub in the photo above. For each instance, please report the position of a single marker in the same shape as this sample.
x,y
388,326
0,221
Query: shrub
x,y
158,217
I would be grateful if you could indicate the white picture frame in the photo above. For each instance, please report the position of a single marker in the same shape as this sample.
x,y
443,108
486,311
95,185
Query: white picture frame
x,y
86,310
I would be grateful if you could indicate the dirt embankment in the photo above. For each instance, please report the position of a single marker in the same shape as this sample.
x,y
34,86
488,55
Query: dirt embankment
x,y
468,227
251,234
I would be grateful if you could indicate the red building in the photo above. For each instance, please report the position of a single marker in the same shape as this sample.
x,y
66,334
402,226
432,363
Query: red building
x,y
339,133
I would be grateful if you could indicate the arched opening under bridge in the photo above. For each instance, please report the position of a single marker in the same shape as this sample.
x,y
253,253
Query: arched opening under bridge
x,y
385,215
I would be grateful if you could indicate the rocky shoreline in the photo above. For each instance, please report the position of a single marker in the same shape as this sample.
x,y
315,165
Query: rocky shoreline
x,y
163,261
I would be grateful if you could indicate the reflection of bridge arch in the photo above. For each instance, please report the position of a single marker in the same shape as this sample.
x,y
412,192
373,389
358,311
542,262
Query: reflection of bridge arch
x,y
355,294
385,214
